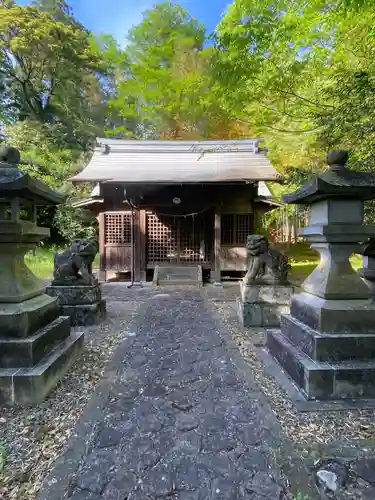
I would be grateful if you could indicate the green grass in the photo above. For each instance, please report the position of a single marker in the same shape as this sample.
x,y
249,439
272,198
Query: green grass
x,y
41,264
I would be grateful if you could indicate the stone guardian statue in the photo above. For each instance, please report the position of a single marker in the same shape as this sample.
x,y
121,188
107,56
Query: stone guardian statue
x,y
74,265
265,291
264,264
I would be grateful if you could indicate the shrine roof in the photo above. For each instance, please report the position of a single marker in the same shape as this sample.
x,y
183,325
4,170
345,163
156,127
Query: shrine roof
x,y
177,162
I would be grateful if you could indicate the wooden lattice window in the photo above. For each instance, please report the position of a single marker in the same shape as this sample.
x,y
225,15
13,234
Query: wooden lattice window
x,y
235,228
118,228
243,227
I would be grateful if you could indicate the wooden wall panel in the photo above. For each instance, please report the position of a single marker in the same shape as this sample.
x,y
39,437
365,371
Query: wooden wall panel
x,y
118,258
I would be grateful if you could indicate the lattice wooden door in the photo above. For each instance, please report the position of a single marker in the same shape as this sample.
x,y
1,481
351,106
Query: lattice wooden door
x,y
192,240
177,239
117,240
162,239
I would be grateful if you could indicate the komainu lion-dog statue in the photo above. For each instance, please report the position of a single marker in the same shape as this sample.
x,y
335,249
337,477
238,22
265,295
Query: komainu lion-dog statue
x,y
264,264
74,265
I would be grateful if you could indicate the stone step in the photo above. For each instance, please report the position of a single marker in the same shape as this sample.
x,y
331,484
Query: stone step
x,y
190,273
178,275
327,347
177,282
27,352
322,380
28,386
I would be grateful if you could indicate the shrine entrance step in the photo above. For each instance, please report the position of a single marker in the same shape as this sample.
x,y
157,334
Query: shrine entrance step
x,y
178,275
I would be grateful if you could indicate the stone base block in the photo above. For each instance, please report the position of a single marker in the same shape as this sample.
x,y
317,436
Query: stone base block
x,y
85,314
261,314
322,380
269,294
75,295
25,318
334,316
27,352
177,275
328,347
262,305
25,386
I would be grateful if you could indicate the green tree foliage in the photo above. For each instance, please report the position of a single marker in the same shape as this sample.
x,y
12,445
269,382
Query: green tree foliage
x,y
74,223
159,88
59,9
301,73
164,85
50,69
43,156
55,81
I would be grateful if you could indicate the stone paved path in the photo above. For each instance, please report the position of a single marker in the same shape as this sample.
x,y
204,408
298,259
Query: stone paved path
x,y
179,420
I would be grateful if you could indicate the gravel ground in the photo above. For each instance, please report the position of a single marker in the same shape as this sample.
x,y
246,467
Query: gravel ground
x,y
32,438
311,427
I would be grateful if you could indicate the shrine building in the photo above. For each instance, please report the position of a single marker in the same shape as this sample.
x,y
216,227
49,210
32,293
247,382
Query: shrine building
x,y
176,203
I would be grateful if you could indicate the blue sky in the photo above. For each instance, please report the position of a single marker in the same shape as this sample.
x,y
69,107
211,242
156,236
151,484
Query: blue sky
x,y
117,16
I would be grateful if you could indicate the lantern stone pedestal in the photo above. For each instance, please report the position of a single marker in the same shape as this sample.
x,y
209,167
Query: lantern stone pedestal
x,y
36,346
327,342
82,303
262,305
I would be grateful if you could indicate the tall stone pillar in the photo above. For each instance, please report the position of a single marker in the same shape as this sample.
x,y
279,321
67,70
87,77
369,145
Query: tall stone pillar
x,y
36,346
327,342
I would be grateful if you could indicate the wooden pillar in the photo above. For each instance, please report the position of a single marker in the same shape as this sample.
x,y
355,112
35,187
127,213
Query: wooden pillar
x,y
137,246
217,246
142,244
103,270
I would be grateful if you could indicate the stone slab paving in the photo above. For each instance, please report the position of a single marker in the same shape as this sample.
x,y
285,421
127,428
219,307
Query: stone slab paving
x,y
177,416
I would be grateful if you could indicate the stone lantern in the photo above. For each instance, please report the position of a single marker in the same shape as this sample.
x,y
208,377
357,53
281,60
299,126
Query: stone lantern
x,y
327,342
36,346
